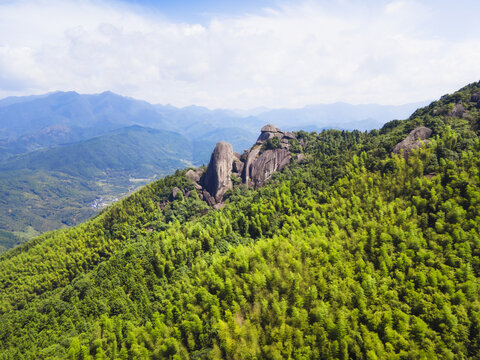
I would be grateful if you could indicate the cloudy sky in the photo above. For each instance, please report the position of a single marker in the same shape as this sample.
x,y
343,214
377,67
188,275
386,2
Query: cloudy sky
x,y
241,54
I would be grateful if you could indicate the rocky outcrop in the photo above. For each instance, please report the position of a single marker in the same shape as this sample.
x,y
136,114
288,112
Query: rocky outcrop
x,y
238,166
194,175
300,157
253,168
217,178
209,199
251,157
268,132
475,97
175,192
458,111
261,161
260,169
416,138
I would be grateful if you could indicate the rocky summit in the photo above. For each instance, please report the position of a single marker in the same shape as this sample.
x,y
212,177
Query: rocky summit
x,y
254,167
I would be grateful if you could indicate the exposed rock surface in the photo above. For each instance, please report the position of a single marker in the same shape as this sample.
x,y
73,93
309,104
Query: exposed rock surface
x,y
476,97
194,175
300,157
217,178
238,166
175,191
210,200
458,111
251,157
254,167
258,171
416,138
268,132
269,128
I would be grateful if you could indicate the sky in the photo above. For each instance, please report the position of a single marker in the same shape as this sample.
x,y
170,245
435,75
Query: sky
x,y
241,54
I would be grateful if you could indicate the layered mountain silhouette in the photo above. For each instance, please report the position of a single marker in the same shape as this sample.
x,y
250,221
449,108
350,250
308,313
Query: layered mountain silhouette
x,y
64,156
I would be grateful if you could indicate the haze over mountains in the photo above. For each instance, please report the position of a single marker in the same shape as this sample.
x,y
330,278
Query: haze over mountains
x,y
66,117
64,156
58,118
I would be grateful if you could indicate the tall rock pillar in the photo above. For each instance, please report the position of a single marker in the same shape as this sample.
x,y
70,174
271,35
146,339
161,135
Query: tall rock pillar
x,y
217,178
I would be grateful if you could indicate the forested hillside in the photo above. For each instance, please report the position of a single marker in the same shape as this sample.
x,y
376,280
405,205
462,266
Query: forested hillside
x,y
353,252
63,186
64,155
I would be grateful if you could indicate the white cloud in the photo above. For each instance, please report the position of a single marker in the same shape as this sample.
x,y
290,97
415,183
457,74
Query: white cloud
x,y
380,52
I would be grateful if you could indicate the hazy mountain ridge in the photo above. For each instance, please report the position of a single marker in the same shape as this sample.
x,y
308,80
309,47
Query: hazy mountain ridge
x,y
90,115
93,115
341,116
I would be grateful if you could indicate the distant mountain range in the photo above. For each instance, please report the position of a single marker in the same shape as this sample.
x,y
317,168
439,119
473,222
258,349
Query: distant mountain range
x,y
340,115
64,156
59,118
32,122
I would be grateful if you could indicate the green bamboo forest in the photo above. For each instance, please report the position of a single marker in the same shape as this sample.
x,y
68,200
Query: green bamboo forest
x,y
353,252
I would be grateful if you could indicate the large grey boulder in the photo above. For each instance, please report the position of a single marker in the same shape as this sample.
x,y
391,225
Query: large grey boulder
x,y
209,199
264,136
174,194
269,128
260,167
458,111
194,175
270,131
266,164
217,177
238,166
416,138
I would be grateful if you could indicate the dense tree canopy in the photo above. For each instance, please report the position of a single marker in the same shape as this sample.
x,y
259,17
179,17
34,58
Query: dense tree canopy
x,y
351,253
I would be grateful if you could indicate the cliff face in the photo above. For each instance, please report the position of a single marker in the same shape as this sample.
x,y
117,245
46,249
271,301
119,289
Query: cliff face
x,y
271,153
261,167
217,178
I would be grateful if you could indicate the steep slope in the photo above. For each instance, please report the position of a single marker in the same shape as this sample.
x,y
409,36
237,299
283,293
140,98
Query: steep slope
x,y
354,252
59,183
64,153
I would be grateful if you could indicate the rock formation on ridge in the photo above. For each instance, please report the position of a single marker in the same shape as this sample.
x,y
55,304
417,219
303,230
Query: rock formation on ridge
x,y
271,153
262,161
217,178
475,97
416,138
260,167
